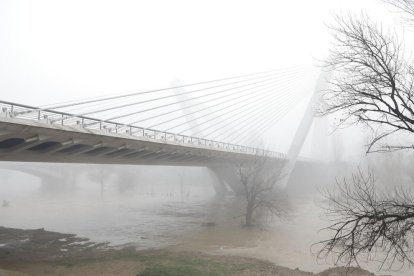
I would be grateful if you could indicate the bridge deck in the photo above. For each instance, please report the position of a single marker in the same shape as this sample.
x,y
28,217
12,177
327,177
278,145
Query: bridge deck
x,y
41,141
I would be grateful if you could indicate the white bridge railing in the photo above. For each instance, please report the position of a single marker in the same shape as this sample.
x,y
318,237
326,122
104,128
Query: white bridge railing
x,y
13,110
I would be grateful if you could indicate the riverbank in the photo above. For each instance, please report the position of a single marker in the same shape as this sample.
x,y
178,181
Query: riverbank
x,y
41,252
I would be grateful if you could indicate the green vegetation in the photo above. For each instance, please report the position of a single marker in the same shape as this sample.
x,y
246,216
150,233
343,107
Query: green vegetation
x,y
161,262
174,271
169,265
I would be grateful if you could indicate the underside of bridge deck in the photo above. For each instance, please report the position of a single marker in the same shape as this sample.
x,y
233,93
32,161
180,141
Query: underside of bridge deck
x,y
35,141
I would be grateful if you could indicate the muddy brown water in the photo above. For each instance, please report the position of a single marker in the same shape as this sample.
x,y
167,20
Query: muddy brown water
x,y
166,217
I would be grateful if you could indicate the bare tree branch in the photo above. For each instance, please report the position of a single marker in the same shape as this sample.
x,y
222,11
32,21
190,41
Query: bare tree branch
x,y
258,178
406,7
372,84
367,223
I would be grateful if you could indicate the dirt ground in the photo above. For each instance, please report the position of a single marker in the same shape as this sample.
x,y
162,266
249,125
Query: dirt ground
x,y
40,252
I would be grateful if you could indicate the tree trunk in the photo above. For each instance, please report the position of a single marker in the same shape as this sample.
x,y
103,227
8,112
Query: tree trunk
x,y
249,214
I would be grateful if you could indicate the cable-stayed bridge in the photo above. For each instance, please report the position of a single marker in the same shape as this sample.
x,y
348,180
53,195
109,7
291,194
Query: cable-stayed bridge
x,y
221,122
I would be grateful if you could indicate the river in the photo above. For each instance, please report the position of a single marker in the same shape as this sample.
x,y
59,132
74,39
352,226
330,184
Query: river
x,y
156,216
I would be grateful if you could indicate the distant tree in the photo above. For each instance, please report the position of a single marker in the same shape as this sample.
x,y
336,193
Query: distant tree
x,y
258,179
100,174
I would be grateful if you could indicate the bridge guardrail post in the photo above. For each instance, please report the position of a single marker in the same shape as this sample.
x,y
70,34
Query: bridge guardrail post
x,y
46,119
4,112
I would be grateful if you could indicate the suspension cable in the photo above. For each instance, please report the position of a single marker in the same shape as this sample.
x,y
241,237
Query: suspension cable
x,y
264,109
170,96
220,115
116,96
277,115
221,103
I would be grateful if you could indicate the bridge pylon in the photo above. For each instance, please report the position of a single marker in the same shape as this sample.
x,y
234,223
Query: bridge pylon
x,y
304,127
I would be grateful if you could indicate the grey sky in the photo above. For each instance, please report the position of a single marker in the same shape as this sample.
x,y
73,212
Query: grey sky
x,y
53,51
58,50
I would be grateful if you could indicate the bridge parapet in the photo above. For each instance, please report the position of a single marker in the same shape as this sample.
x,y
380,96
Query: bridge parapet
x,y
53,117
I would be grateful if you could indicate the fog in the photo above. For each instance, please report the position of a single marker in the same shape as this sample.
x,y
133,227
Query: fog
x,y
156,207
161,66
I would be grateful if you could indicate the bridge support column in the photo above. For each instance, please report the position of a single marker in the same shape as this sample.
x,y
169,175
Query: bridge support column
x,y
219,184
228,178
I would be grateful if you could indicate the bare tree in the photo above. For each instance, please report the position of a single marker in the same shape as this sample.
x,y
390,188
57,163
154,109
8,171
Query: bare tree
x,y
100,174
368,223
259,178
372,83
